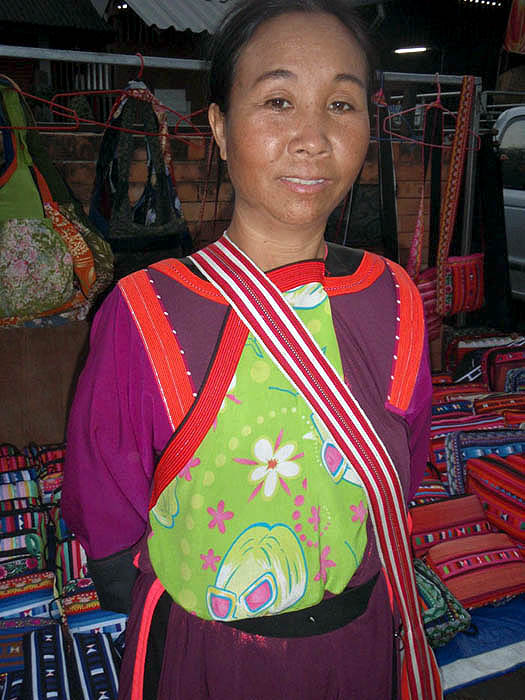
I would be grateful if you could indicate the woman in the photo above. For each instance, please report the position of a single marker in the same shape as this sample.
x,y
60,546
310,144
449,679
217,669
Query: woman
x,y
259,574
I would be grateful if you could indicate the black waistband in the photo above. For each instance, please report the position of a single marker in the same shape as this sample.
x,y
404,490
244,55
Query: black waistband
x,y
328,615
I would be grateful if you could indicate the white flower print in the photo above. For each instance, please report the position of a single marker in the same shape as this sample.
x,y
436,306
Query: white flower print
x,y
275,464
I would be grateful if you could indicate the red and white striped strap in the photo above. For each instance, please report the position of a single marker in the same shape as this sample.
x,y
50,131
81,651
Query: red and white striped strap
x,y
264,310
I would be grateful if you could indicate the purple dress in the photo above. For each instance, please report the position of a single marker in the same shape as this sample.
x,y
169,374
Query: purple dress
x,y
118,428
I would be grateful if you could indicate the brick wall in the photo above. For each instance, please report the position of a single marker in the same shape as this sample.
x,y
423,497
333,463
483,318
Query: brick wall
x,y
75,155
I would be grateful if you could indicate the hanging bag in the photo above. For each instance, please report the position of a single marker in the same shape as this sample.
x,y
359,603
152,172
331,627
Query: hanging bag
x,y
456,283
46,265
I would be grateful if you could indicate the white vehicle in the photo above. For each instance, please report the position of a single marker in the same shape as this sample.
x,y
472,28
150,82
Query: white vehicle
x,y
511,136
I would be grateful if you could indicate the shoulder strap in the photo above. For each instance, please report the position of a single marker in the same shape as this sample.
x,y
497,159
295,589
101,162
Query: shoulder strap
x,y
267,314
161,344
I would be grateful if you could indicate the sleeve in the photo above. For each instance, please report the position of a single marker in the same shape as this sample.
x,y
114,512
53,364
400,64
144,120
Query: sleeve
x,y
112,429
410,393
418,417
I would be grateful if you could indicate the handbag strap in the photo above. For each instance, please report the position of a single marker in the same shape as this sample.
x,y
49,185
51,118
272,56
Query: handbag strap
x,y
432,137
387,191
453,186
266,313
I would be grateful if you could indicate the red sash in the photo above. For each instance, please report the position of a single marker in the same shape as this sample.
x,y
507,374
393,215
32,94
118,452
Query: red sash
x,y
262,307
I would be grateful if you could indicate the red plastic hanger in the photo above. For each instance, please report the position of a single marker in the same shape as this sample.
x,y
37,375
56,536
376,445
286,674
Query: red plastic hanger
x,y
436,104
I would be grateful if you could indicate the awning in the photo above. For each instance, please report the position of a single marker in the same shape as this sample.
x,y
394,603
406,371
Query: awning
x,y
197,15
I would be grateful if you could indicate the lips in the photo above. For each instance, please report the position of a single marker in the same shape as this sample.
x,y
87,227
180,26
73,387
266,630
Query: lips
x,y
305,180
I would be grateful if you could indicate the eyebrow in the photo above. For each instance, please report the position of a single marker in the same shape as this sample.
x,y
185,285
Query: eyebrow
x,y
282,73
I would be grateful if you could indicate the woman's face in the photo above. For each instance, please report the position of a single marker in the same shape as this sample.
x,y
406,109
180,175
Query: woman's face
x,y
296,131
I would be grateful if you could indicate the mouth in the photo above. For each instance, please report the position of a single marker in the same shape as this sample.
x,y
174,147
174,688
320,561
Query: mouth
x,y
304,181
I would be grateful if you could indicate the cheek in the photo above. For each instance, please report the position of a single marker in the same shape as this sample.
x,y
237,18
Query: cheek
x,y
353,146
253,147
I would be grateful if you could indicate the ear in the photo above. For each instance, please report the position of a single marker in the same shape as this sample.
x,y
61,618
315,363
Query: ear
x,y
218,126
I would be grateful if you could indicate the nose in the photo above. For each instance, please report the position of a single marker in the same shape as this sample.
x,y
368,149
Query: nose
x,y
310,137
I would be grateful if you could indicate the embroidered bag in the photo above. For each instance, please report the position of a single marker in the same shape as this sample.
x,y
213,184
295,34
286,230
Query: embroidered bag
x,y
441,428
431,488
46,266
443,614
515,380
29,595
152,221
499,483
499,403
82,611
446,520
71,561
480,569
456,283
457,342
462,446
496,362
458,392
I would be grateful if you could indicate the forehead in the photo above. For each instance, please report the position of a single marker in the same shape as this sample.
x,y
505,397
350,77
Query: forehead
x,y
304,42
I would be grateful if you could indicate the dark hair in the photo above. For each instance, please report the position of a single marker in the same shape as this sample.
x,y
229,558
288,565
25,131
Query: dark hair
x,y
241,23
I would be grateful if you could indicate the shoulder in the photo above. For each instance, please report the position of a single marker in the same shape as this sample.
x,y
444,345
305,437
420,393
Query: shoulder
x,y
351,270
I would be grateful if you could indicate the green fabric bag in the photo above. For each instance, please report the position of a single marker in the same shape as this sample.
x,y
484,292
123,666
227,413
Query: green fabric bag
x,y
443,615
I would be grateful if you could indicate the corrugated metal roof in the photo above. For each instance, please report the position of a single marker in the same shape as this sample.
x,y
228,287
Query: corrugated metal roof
x,y
79,14
197,15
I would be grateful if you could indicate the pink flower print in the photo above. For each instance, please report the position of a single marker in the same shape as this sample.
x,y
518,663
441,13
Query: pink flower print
x,y
273,463
315,519
185,471
210,560
325,564
360,512
219,516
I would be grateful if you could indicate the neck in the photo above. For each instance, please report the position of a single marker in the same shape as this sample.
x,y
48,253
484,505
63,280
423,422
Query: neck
x,y
269,252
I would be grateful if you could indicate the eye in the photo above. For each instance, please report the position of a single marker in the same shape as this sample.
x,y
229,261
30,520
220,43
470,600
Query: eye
x,y
278,103
340,106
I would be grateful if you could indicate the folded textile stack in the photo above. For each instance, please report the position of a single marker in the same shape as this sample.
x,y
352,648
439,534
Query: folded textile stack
x,y
468,515
51,622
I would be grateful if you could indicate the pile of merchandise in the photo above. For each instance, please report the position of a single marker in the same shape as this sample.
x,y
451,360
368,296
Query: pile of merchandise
x,y
468,516
55,641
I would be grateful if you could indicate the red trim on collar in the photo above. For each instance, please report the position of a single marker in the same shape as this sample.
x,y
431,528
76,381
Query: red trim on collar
x,y
370,268
286,277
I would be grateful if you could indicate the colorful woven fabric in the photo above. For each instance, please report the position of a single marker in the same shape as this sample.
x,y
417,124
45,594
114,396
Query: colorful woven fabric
x,y
480,569
30,595
445,393
83,613
12,633
447,520
515,380
445,292
452,409
499,403
442,427
462,446
46,664
71,561
96,667
443,614
11,458
430,490
499,483
496,362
